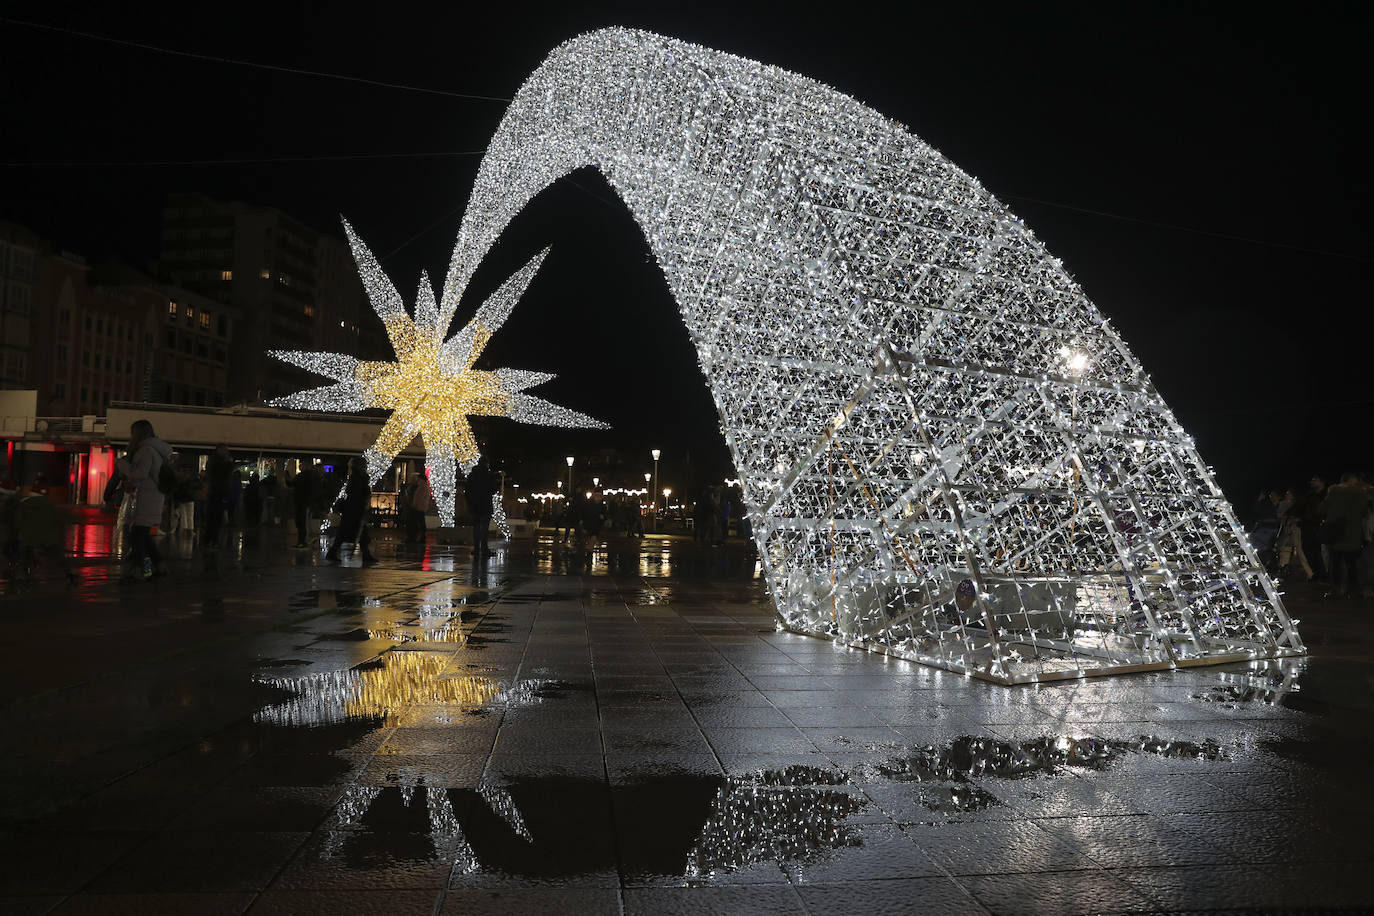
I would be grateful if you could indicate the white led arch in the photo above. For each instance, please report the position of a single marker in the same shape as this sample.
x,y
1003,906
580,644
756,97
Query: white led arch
x,y
947,453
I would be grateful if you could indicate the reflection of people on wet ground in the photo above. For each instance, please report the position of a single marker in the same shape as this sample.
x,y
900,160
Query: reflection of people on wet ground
x,y
357,500
142,470
478,488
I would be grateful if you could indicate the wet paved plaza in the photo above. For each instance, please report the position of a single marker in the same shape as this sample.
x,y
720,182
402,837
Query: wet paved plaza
x,y
625,731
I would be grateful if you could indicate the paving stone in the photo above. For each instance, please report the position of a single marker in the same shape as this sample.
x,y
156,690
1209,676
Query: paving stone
x,y
684,741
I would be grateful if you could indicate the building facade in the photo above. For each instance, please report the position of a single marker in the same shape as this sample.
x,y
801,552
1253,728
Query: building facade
x,y
18,273
92,343
294,287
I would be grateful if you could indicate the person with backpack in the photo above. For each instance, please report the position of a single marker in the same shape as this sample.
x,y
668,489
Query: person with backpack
x,y
150,478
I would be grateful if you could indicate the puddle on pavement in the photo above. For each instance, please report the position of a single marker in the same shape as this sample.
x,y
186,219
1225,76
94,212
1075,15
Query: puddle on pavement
x,y
1268,683
788,818
533,599
972,757
326,598
384,688
947,772
692,827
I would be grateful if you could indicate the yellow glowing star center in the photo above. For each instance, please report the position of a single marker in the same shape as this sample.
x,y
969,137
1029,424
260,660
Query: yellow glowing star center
x,y
428,397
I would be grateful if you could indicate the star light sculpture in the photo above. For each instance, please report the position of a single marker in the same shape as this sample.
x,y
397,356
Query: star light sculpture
x,y
432,388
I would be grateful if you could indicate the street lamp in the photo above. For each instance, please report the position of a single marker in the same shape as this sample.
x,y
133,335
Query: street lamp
x,y
569,459
596,481
653,506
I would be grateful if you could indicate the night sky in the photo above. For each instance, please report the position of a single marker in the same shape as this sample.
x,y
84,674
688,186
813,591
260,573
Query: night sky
x,y
1201,170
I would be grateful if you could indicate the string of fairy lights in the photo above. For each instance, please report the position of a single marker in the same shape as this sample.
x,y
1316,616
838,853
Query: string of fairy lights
x,y
432,387
945,450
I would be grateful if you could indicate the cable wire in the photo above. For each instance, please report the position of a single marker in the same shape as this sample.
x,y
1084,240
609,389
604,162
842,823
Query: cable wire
x,y
76,163
143,46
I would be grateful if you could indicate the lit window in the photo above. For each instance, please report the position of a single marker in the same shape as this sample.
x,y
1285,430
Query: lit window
x,y
265,274
309,311
226,275
205,319
172,308
190,312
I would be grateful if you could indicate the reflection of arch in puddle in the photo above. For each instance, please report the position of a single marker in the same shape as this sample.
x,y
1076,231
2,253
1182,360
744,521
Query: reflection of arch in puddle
x,y
948,775
790,816
1271,682
691,826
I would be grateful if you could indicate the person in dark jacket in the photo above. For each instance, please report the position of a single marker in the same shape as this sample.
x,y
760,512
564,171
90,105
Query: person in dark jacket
x,y
305,490
142,470
252,501
1343,514
1311,513
218,470
357,501
478,489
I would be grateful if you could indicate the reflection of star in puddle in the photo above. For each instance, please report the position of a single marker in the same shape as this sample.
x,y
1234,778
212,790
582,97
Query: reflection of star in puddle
x,y
446,834
381,689
387,686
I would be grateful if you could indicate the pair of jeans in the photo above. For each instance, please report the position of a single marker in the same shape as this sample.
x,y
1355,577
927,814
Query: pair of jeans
x,y
144,548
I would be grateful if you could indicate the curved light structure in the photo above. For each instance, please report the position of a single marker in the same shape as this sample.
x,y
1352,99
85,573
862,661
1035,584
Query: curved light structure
x,y
947,453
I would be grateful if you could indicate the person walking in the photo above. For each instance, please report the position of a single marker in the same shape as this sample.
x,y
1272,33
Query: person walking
x,y
269,499
478,489
217,473
419,503
252,501
183,515
1290,535
594,517
356,503
304,490
1343,513
142,471
40,529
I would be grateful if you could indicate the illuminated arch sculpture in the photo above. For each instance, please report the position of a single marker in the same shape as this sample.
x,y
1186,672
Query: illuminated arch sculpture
x,y
947,453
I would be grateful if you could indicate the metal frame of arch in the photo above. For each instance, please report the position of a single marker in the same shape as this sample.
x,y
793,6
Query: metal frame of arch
x,y
947,453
